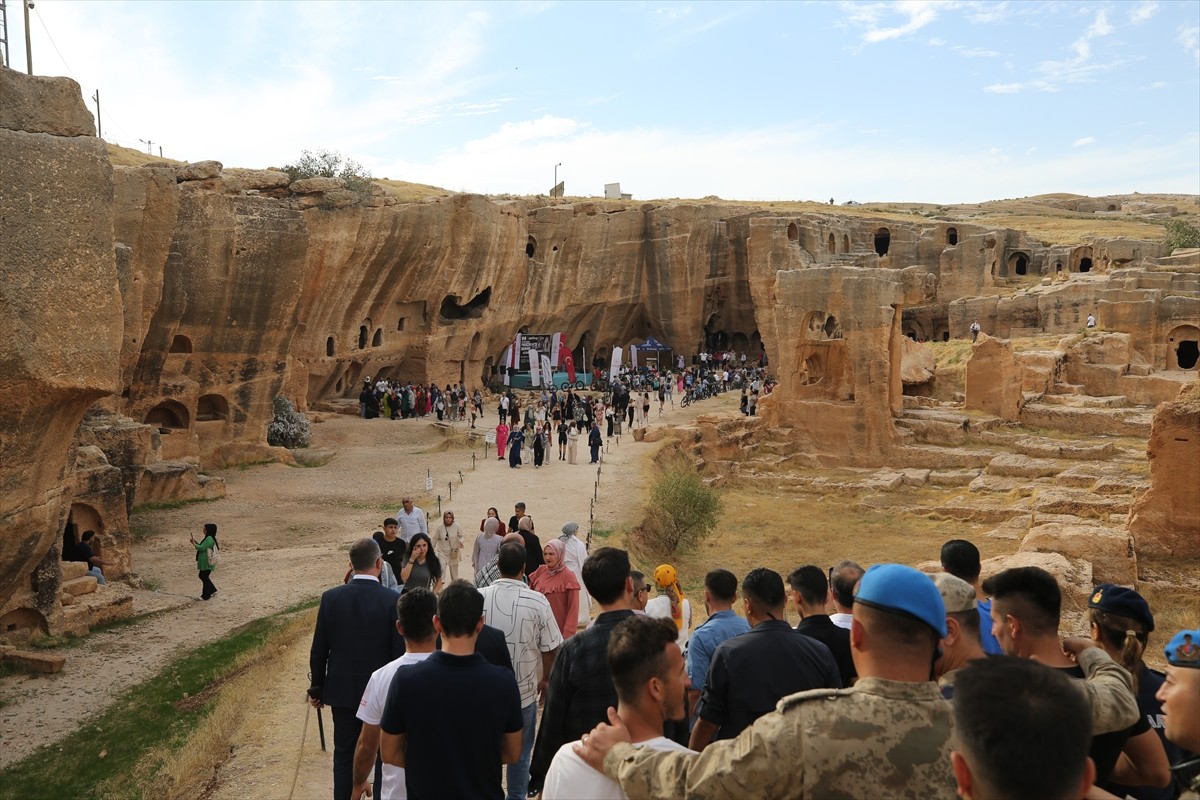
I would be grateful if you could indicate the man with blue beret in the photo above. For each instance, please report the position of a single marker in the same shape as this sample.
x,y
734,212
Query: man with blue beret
x,y
1180,698
887,737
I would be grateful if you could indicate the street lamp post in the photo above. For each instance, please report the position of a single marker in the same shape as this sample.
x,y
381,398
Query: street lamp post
x,y
555,184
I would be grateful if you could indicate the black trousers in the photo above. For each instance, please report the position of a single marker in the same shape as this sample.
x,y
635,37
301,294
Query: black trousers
x,y
206,582
346,727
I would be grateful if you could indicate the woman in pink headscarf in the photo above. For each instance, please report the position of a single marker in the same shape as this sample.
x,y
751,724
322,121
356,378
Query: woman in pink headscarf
x,y
559,585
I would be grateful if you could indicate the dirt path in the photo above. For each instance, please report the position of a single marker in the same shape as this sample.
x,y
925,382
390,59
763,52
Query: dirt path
x,y
284,532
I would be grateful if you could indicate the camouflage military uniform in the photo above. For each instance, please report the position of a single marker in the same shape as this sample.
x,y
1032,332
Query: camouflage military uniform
x,y
881,739
1106,685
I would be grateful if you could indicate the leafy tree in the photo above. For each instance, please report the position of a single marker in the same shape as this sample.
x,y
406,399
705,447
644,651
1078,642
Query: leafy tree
x,y
289,428
1181,235
682,510
330,164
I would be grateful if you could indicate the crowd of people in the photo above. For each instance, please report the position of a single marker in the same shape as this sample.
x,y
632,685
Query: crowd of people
x,y
894,683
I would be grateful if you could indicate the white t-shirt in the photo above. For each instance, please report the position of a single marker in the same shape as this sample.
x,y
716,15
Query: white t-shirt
x,y
661,607
570,778
370,711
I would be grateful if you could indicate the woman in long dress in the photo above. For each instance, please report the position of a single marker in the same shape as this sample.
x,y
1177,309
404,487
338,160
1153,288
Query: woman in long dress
x,y
501,440
559,585
516,439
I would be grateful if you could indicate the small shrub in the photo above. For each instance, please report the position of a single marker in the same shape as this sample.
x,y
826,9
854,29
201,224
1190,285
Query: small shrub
x,y
330,164
289,428
1181,235
681,513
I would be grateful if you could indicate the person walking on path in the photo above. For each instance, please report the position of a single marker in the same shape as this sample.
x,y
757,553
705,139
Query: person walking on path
x,y
575,554
501,439
595,441
516,440
355,635
448,543
204,558
559,585
572,444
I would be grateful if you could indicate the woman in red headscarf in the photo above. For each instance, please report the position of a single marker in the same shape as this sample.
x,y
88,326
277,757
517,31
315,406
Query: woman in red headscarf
x,y
560,586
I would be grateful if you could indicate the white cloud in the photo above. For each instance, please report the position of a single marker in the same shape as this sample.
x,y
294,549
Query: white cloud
x,y
1003,88
914,14
935,42
1099,27
1086,140
1189,37
1031,150
672,13
974,52
1143,11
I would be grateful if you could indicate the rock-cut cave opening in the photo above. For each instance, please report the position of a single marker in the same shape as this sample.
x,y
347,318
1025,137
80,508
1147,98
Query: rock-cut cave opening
x,y
452,310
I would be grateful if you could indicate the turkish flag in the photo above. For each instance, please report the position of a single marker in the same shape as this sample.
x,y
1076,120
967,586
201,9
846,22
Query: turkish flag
x,y
570,364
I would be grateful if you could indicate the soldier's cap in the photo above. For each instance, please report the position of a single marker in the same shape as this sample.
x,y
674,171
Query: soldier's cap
x,y
665,575
1122,601
1184,649
957,595
903,590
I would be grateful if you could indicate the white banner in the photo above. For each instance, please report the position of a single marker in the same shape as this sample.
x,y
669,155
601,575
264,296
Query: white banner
x,y
535,376
555,346
633,356
547,372
615,368
507,358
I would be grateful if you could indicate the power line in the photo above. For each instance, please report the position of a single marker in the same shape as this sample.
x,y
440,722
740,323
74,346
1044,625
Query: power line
x,y
112,122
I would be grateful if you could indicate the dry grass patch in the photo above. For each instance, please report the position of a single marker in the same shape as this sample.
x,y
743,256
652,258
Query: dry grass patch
x,y
191,770
128,157
411,192
760,527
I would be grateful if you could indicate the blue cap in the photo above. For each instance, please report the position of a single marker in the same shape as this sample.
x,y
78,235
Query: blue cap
x,y
1184,649
895,587
1124,602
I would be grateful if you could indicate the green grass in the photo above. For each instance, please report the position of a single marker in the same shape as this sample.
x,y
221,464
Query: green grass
x,y
144,718
171,505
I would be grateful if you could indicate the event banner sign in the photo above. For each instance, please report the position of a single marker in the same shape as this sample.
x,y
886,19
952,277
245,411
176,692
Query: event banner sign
x,y
541,342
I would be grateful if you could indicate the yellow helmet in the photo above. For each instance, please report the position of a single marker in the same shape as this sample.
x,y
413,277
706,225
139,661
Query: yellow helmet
x,y
664,576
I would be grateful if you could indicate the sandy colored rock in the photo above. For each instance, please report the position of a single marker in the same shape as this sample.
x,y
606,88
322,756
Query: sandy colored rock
x,y
1165,521
35,661
241,180
1074,575
1109,550
917,364
78,586
315,185
57,357
1020,466
198,171
36,104
993,379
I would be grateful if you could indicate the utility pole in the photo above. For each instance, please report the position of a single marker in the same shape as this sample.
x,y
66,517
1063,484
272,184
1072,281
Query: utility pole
x,y
555,184
160,155
26,5
99,130
149,145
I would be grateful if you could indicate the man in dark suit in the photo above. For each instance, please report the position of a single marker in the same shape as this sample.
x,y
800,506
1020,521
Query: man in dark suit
x,y
356,634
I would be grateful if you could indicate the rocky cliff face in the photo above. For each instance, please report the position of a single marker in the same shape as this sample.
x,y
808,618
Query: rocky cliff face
x,y
187,298
60,308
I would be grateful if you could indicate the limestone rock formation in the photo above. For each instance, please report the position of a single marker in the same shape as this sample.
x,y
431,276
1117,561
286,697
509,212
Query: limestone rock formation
x,y
179,302
1165,521
59,307
917,364
994,379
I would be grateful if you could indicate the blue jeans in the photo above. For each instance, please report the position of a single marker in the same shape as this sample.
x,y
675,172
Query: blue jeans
x,y
518,773
97,574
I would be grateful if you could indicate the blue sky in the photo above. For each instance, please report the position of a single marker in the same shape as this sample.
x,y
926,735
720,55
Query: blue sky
x,y
899,101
